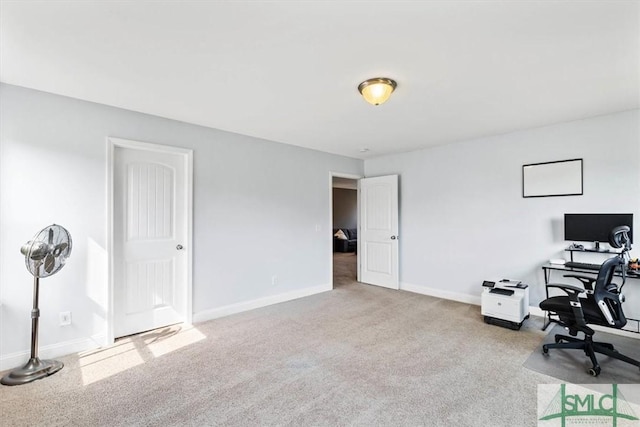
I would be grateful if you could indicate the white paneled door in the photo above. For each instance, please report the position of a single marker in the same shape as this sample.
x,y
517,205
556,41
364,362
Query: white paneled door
x,y
378,239
150,239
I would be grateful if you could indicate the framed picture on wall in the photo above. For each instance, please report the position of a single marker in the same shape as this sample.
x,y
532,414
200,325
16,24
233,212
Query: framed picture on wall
x,y
558,178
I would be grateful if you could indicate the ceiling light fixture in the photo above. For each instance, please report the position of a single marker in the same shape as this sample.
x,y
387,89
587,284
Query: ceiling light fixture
x,y
378,90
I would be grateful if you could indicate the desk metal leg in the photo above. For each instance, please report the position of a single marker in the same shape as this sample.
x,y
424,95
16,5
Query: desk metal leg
x,y
547,321
547,317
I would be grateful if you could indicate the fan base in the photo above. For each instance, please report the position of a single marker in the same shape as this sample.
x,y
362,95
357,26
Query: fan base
x,y
33,370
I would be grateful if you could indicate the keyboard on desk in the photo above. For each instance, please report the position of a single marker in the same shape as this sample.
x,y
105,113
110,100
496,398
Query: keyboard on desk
x,y
583,265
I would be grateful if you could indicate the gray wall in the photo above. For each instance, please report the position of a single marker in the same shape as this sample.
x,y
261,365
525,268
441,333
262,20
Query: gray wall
x,y
463,218
345,208
260,209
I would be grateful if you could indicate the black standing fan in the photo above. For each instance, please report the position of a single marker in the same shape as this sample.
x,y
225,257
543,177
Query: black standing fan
x,y
44,255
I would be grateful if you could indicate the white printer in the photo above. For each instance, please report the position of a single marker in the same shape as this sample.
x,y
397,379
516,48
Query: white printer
x,y
505,303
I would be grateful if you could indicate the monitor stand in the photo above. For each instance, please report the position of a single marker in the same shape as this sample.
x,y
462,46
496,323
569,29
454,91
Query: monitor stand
x,y
596,246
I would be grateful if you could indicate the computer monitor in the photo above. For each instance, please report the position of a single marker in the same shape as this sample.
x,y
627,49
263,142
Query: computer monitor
x,y
594,227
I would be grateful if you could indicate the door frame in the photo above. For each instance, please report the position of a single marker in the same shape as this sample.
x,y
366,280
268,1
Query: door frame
x,y
347,176
112,144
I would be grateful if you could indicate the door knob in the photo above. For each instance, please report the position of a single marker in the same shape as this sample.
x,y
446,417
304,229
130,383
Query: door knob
x,y
393,237
179,247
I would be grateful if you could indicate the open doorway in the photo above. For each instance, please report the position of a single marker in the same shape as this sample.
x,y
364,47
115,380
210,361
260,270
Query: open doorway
x,y
344,220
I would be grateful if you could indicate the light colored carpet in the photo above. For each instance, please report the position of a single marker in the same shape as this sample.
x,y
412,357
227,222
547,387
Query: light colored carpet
x,y
572,365
358,355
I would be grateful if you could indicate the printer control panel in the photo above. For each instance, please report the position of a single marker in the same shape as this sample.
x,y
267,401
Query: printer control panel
x,y
488,284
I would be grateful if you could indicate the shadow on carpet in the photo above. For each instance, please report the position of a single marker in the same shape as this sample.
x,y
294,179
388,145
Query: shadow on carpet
x,y
572,365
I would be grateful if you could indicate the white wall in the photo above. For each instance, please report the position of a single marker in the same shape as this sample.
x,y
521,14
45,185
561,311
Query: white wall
x,y
260,209
463,218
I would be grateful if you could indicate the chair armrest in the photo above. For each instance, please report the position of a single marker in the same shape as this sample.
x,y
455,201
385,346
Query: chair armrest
x,y
586,281
569,289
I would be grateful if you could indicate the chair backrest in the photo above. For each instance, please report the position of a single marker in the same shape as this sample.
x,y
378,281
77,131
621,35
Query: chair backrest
x,y
606,293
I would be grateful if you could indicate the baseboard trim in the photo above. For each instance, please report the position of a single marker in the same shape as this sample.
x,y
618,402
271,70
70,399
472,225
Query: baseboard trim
x,y
537,311
17,359
227,310
476,300
457,296
439,293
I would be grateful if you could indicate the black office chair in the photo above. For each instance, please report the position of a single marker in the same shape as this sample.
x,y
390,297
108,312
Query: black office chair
x,y
602,306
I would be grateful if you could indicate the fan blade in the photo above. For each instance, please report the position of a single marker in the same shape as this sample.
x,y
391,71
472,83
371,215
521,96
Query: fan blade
x,y
59,249
49,263
51,236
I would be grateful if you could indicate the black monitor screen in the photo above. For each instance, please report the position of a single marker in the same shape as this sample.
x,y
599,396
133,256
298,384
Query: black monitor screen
x,y
594,227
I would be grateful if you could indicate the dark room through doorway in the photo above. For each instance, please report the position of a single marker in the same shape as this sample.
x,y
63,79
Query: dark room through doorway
x,y
345,230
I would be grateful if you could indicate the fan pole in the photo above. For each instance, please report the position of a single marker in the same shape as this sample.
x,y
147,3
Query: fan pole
x,y
35,368
35,318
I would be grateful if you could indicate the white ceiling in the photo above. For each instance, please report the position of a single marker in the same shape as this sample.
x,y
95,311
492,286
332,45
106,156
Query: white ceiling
x,y
288,71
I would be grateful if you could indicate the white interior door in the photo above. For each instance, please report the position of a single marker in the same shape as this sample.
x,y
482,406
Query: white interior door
x,y
150,221
378,238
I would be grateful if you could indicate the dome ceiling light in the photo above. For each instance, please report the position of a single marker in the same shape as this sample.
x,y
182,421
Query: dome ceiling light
x,y
378,90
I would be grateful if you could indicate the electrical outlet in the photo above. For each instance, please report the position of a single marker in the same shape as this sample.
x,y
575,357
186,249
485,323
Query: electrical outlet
x,y
65,318
274,280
